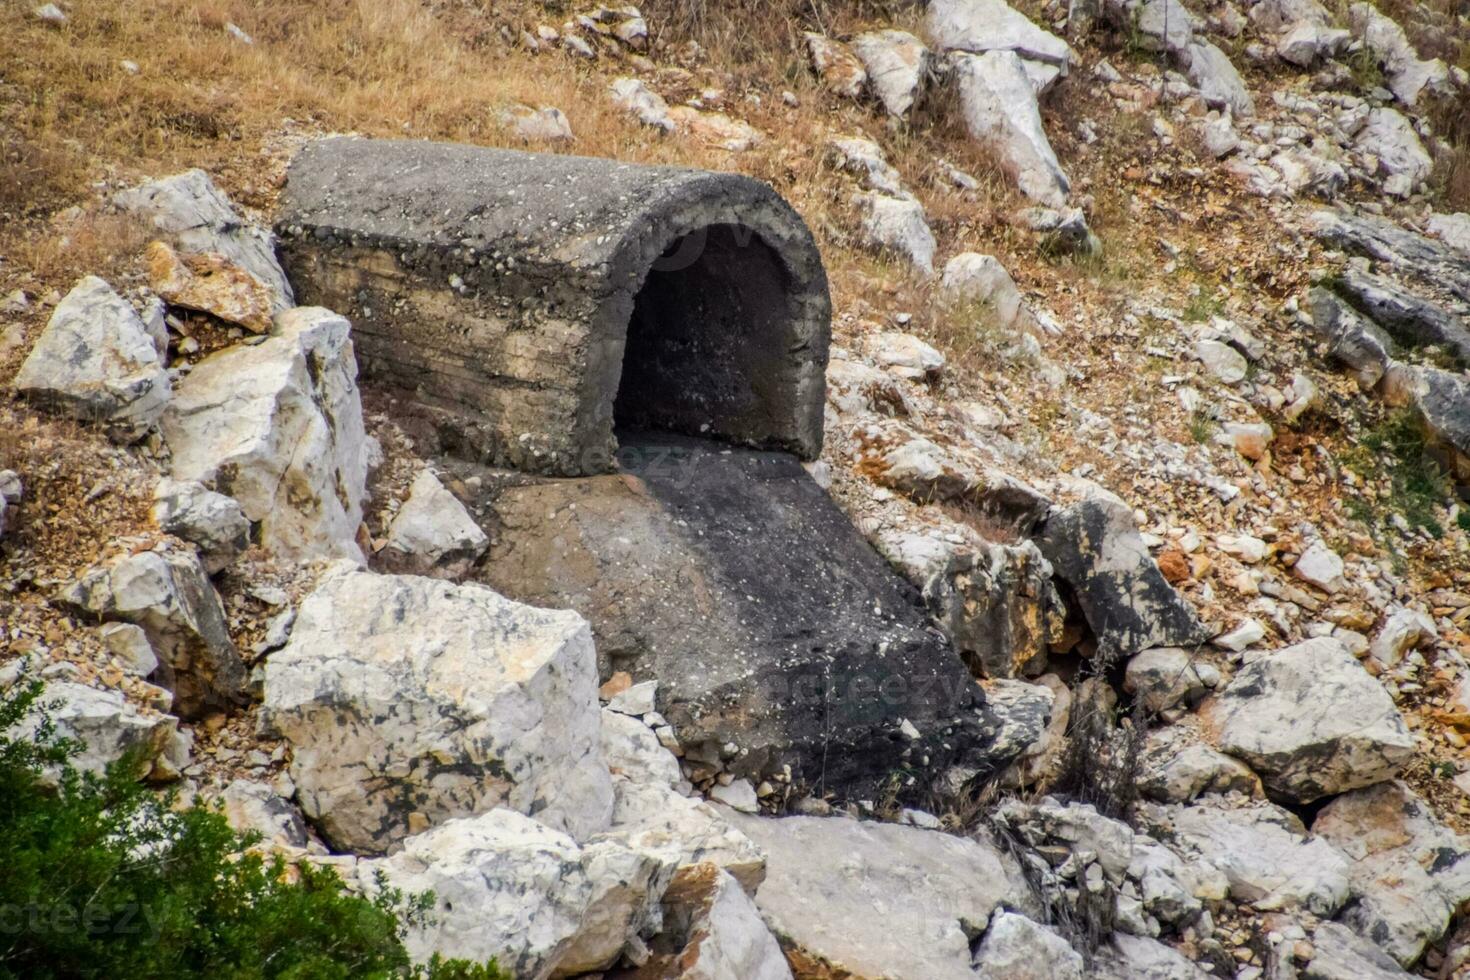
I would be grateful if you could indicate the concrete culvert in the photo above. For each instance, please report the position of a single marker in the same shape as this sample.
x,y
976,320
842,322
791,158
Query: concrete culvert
x,y
536,302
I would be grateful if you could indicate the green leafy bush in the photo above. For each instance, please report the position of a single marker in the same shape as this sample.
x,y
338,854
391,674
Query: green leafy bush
x,y
102,877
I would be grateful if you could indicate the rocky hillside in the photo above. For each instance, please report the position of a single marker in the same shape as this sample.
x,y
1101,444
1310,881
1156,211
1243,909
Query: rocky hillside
x,y
1150,327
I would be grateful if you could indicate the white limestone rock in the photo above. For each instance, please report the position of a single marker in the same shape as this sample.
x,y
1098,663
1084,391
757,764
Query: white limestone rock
x,y
633,96
190,211
1410,872
1166,676
978,26
510,888
1403,162
1408,75
1126,957
1319,565
878,899
129,644
861,156
1015,948
432,533
213,522
167,592
897,64
651,816
1341,954
897,225
104,725
1222,361
1405,630
714,931
970,277
1311,721
403,695
547,124
905,355
1452,229
278,427
1176,766
1218,82
1000,112
1262,850
95,361
631,749
252,806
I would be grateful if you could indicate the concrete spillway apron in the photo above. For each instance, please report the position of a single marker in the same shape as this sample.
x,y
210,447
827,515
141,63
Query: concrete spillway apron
x,y
534,304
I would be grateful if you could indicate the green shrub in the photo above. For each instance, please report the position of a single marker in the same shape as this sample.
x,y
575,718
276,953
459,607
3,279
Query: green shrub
x,y
103,877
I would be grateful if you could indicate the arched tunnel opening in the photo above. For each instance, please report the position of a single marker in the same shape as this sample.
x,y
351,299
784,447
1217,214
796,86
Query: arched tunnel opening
x,y
706,345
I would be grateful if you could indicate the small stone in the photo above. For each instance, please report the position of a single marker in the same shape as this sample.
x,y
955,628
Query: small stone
x,y
1319,565
738,795
636,700
129,644
51,14
1222,360
547,124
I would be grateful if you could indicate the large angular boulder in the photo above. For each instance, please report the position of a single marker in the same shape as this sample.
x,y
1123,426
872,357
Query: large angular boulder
x,y
1338,953
167,592
1351,338
877,899
999,107
897,64
1218,82
510,888
1403,162
1015,948
1411,319
1262,850
1311,720
192,213
1410,872
653,818
95,361
252,806
408,701
994,602
1176,765
978,26
712,931
211,521
432,533
1443,400
1127,957
980,280
209,283
1163,677
1094,546
104,726
278,427
897,225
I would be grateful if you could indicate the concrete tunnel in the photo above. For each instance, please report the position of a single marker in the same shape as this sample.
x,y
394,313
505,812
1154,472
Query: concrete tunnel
x,y
537,303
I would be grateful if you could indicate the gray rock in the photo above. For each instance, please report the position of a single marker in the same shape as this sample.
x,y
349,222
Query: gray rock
x,y
979,26
1402,160
636,98
432,533
630,748
1341,954
1261,849
1409,76
866,159
1218,82
1175,766
104,725
1410,872
1126,957
651,817
96,362
507,887
1094,546
878,899
897,225
714,931
1159,25
1443,400
996,603
1410,319
1351,338
212,521
167,592
1398,248
1311,721
278,427
1015,948
981,280
1452,229
254,807
1166,676
1079,827
403,695
897,65
999,107
129,644
196,216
